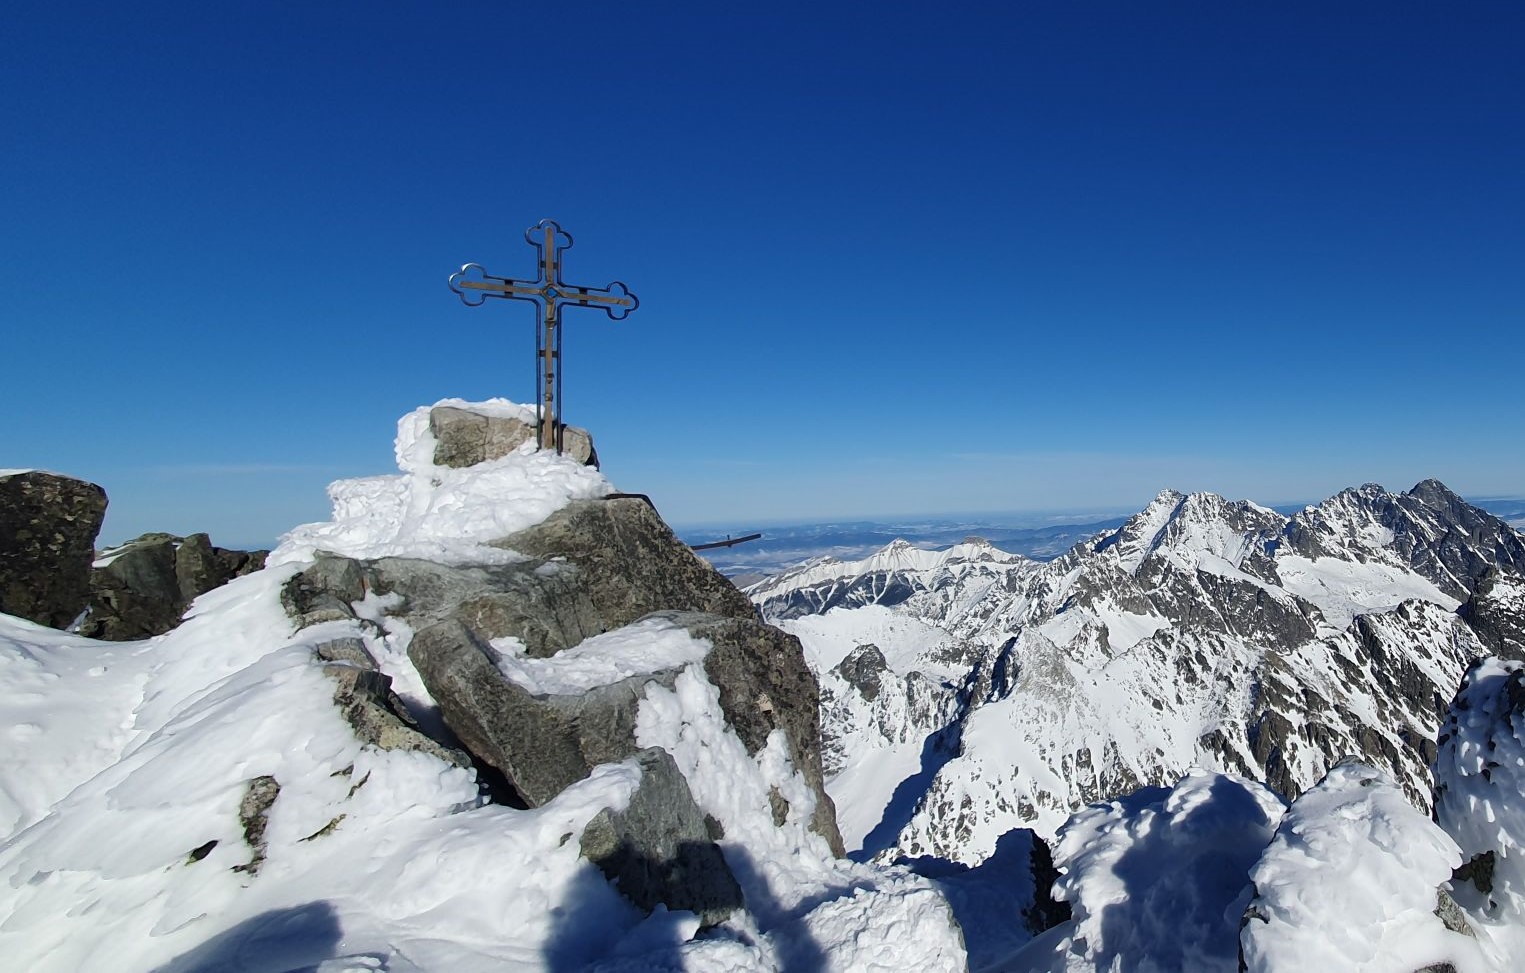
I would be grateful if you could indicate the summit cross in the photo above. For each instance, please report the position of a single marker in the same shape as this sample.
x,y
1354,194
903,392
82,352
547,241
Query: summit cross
x,y
550,293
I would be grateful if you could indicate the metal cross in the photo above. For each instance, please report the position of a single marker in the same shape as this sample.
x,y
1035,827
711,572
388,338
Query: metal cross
x,y
550,293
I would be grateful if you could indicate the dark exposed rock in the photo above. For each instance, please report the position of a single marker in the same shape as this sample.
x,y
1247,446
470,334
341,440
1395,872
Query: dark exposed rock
x,y
465,438
135,593
48,525
324,591
628,562
253,811
863,668
658,850
142,588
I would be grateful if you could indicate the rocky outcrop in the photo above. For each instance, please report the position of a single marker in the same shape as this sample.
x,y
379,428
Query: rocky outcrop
x,y
591,569
48,525
364,697
466,438
628,562
142,588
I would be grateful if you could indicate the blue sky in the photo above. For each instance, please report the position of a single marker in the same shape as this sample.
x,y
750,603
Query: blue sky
x,y
892,259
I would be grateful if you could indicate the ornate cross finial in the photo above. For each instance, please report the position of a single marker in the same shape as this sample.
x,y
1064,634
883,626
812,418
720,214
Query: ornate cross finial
x,y
550,293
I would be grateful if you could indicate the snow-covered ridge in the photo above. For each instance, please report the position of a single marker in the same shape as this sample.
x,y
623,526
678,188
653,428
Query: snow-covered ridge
x,y
898,555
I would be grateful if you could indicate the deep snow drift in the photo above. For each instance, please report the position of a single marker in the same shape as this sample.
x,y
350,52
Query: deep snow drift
x,y
130,767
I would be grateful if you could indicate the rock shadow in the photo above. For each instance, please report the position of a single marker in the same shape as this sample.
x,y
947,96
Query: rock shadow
x,y
1004,901
296,939
937,749
1190,877
798,952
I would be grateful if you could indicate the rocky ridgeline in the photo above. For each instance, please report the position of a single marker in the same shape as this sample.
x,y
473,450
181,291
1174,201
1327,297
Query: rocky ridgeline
x,y
1203,632
50,572
593,568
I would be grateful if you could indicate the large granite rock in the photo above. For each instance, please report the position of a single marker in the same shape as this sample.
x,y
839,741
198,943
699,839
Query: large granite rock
x,y
541,744
465,438
629,562
142,588
48,525
594,567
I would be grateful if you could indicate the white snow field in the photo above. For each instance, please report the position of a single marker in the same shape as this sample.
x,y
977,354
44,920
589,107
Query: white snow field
x,y
124,766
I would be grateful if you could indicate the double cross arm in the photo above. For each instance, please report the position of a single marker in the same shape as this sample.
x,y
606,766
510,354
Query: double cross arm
x,y
548,292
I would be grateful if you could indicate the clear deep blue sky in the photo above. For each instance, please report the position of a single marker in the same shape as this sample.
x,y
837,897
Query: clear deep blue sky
x,y
892,259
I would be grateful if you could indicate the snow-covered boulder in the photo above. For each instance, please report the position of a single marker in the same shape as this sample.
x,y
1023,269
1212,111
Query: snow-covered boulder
x,y
472,433
1354,880
48,525
1157,880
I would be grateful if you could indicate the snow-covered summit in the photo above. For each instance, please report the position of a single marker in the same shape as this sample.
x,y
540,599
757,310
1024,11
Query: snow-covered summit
x,y
237,796
439,513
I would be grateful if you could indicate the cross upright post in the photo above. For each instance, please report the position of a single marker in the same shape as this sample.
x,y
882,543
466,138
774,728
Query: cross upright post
x,y
550,294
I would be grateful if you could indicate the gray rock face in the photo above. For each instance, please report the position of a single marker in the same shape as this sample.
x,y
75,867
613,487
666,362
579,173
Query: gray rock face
x,y
144,586
48,525
541,744
628,562
658,850
463,438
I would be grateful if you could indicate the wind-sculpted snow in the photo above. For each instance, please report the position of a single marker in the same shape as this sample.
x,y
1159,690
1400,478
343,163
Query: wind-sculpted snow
x,y
1157,880
1480,799
1351,882
1202,632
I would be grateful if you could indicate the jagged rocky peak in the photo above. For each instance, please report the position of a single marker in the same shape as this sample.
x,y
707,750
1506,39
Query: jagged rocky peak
x,y
1199,633
1429,530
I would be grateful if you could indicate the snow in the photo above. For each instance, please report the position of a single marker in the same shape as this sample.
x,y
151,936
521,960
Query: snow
x,y
17,472
1157,880
1343,589
413,874
830,638
438,513
1480,796
1349,883
646,646
813,911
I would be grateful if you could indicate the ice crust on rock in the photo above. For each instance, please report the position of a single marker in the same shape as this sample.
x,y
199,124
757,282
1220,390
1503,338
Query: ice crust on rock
x,y
1480,800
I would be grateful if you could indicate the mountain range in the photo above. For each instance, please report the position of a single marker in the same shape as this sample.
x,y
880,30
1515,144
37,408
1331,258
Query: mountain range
x,y
969,691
